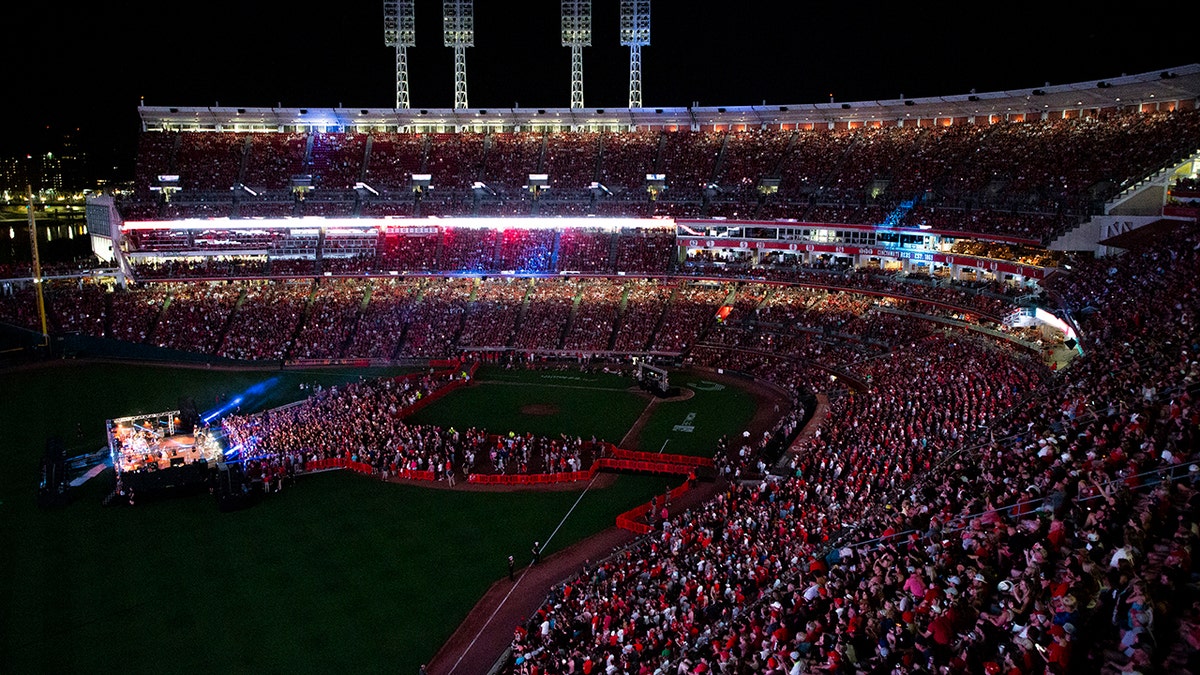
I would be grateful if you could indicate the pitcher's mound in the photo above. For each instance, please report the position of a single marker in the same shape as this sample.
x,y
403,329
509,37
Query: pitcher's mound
x,y
539,409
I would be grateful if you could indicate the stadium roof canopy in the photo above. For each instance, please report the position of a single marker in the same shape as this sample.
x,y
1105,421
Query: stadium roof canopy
x,y
1175,84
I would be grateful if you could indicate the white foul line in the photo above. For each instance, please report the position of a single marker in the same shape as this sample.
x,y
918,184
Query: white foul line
x,y
519,579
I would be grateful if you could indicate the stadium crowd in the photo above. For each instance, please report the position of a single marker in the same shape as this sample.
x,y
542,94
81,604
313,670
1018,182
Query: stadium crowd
x,y
1024,179
363,422
959,509
963,512
424,317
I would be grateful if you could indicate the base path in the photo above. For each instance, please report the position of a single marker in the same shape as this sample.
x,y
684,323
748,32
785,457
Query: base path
x,y
488,630
767,402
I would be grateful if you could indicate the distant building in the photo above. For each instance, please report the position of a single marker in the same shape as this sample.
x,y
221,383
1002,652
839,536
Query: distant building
x,y
50,173
14,173
72,162
60,166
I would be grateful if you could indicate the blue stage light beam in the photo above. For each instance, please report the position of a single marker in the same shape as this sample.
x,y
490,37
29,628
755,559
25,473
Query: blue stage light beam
x,y
252,394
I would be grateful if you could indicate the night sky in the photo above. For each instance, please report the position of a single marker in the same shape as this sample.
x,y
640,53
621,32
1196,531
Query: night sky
x,y
85,66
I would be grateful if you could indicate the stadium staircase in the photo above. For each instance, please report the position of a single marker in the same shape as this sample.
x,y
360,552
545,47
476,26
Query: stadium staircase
x,y
662,318
154,322
220,341
245,160
708,326
719,163
360,195
658,156
612,253
555,249
1132,207
620,320
362,307
775,174
319,262
426,144
481,169
362,175
440,249
777,170
173,164
706,194
396,350
304,317
598,167
765,299
529,289
471,308
840,165
309,141
541,163
108,315
570,322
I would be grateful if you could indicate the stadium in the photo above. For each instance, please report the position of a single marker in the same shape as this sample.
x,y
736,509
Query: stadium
x,y
874,386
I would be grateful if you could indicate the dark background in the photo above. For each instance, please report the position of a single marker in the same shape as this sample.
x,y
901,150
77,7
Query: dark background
x,y
82,68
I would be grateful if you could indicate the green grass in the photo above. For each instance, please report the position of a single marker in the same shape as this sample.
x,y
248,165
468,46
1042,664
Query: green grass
x,y
587,405
339,572
55,400
597,404
612,381
717,412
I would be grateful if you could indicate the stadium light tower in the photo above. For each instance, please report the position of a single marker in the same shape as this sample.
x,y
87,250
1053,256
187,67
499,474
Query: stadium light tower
x,y
458,31
399,31
635,34
577,34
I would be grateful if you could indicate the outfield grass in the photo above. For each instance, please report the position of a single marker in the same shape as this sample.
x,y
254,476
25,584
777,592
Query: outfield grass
x,y
715,410
599,405
339,572
66,400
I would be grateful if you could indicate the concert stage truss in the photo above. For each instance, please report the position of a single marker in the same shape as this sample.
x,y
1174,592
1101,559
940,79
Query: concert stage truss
x,y
153,451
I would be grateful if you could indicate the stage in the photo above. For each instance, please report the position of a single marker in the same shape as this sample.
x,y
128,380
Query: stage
x,y
153,452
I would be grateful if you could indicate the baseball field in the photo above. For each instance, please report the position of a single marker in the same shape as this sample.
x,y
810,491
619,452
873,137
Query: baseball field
x,y
337,572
